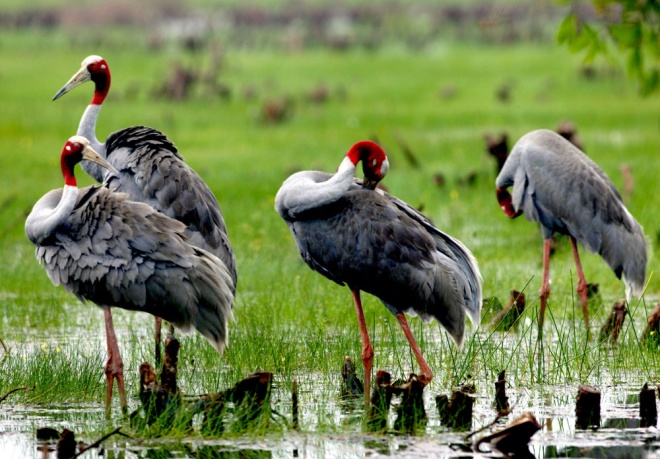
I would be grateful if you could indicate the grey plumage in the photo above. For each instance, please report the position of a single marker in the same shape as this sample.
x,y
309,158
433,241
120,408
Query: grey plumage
x,y
562,189
372,241
117,252
152,171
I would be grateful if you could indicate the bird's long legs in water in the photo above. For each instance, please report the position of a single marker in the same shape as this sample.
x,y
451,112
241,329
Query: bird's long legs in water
x,y
582,282
426,374
114,368
367,349
544,293
545,286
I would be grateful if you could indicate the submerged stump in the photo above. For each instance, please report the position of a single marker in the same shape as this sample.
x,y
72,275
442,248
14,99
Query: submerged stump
x,y
513,439
501,400
456,413
614,322
648,411
381,398
651,333
351,386
587,408
410,413
508,317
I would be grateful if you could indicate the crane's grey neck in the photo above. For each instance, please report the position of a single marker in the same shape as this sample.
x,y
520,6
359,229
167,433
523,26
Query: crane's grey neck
x,y
44,219
301,192
87,129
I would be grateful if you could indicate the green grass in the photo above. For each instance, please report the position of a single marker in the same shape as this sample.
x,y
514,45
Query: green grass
x,y
290,320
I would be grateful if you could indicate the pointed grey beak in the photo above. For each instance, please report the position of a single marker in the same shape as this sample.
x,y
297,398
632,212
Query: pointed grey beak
x,y
82,76
89,154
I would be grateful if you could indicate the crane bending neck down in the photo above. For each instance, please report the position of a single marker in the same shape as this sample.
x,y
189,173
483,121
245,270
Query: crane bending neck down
x,y
96,69
300,192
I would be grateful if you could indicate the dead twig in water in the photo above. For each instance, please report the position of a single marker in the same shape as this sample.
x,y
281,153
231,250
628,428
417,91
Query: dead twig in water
x,y
15,389
98,442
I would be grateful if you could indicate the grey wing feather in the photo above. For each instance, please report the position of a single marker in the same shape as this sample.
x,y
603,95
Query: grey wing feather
x,y
152,171
558,186
116,252
366,241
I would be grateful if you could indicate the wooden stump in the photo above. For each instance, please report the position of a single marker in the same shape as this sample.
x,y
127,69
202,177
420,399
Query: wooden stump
x,y
498,148
410,413
651,333
351,386
587,408
508,317
648,411
381,398
457,412
514,438
614,322
501,400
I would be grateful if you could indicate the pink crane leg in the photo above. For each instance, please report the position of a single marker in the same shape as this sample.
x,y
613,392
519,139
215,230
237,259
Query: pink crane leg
x,y
114,368
544,293
367,349
582,282
426,374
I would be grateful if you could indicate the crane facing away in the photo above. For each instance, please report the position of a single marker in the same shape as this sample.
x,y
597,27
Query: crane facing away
x,y
362,237
562,189
112,251
151,170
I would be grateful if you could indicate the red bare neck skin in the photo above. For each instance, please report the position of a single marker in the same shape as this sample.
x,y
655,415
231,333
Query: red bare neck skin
x,y
506,203
70,157
101,79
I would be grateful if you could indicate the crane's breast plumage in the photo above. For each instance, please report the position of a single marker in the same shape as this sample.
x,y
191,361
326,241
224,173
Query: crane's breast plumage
x,y
152,171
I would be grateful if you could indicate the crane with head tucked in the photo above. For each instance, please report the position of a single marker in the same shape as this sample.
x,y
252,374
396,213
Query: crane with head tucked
x,y
116,252
562,189
357,235
150,169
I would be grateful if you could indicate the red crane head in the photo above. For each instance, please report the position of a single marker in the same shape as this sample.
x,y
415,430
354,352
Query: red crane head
x,y
75,150
506,203
374,161
93,68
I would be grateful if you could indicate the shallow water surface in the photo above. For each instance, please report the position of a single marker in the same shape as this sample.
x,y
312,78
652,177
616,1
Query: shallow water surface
x,y
619,435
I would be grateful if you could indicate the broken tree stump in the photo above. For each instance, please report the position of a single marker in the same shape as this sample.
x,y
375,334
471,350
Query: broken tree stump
x,y
501,400
587,408
498,148
294,405
351,386
513,439
410,412
381,398
455,413
651,334
250,398
508,317
158,399
614,323
648,412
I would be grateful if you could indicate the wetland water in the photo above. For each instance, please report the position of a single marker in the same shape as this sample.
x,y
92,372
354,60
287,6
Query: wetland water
x,y
619,436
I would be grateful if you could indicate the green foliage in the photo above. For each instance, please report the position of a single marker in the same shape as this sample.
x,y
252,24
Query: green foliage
x,y
631,26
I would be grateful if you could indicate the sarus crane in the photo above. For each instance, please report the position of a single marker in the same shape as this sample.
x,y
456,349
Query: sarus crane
x,y
105,248
357,235
151,170
558,186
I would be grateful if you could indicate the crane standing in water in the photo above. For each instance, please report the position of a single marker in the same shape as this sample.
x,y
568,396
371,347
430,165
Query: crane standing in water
x,y
360,236
562,189
112,251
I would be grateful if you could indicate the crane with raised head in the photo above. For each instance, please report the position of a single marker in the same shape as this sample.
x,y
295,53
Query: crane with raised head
x,y
357,235
558,186
150,169
103,247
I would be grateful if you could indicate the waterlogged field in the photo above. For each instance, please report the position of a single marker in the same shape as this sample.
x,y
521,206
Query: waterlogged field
x,y
440,100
